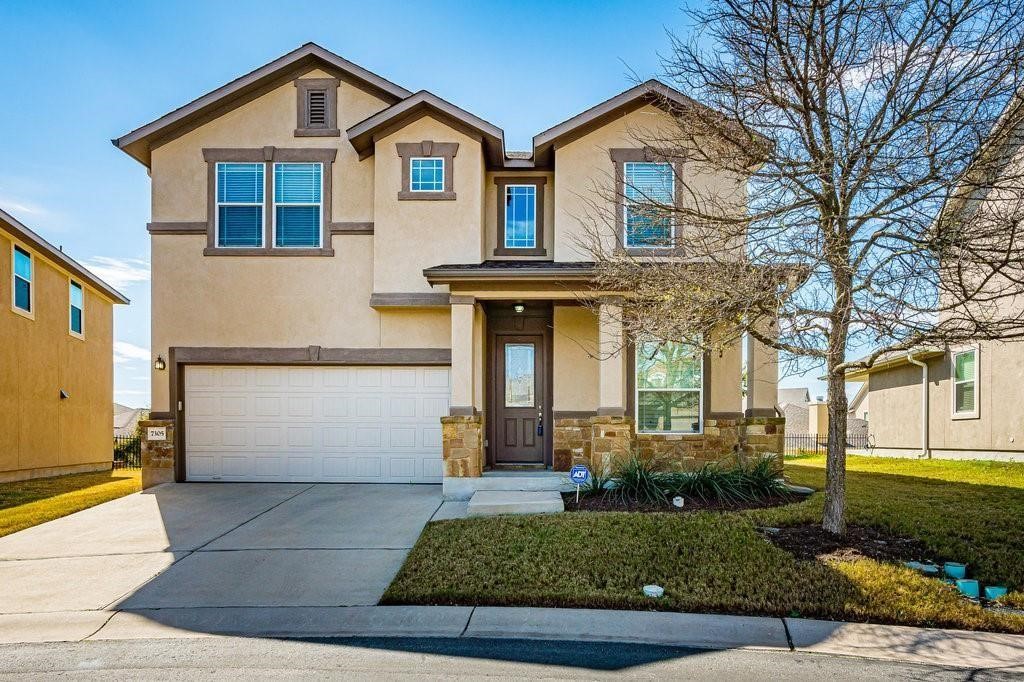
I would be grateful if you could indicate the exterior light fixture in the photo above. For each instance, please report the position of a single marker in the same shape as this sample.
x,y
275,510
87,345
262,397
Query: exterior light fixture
x,y
519,308
159,365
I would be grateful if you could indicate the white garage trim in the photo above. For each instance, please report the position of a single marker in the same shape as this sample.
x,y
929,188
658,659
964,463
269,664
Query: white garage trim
x,y
314,423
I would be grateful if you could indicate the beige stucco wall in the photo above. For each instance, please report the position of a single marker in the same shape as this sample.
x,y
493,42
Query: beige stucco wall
x,y
895,399
491,214
584,178
412,235
38,358
576,360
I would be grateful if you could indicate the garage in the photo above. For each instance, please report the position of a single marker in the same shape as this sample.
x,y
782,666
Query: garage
x,y
314,424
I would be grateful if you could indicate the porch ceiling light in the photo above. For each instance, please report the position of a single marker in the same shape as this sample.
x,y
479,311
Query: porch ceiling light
x,y
519,308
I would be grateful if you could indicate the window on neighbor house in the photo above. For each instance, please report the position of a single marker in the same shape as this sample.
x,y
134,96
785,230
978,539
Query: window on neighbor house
x,y
520,216
426,175
648,187
76,308
240,205
298,217
22,294
965,383
669,387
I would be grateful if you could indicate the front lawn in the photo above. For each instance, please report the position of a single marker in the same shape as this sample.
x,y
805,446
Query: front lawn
x,y
718,562
28,503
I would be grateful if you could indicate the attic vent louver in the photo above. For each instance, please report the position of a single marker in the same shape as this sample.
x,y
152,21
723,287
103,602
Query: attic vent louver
x,y
317,108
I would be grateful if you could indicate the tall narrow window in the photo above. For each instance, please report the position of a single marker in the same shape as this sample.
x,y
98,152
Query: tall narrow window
x,y
520,216
240,205
426,175
297,214
22,299
649,188
965,383
76,308
669,387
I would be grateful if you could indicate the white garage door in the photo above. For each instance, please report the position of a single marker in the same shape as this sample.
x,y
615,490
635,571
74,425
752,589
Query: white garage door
x,y
337,424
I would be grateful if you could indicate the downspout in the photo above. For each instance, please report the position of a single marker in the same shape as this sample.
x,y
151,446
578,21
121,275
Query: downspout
x,y
925,449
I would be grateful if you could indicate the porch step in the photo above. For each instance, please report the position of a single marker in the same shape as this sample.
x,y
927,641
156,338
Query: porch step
x,y
495,502
459,488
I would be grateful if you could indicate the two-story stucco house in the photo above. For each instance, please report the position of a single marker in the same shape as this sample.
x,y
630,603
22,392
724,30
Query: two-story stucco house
x,y
355,282
56,359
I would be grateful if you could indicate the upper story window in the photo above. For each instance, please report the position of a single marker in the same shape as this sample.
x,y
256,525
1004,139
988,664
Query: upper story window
x,y
298,215
426,175
239,205
669,387
22,296
520,216
965,383
76,308
648,186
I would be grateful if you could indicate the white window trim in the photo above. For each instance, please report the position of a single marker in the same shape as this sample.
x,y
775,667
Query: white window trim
x,y
636,399
217,203
625,209
274,205
505,199
30,314
976,412
412,163
72,332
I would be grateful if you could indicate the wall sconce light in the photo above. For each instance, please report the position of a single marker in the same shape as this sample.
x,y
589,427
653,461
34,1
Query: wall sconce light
x,y
159,365
519,308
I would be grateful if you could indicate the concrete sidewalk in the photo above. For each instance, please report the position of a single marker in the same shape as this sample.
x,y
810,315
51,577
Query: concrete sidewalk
x,y
700,631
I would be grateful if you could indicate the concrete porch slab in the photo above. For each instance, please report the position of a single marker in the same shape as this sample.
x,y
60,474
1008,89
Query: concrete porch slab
x,y
462,489
495,502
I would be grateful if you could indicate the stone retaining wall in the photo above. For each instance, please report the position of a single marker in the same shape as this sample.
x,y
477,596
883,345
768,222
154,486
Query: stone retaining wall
x,y
462,445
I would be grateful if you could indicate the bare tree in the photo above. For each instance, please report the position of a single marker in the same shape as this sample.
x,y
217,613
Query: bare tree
x,y
875,196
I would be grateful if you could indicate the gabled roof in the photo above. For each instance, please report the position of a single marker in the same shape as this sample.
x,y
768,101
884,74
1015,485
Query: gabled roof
x,y
10,224
139,143
363,134
797,396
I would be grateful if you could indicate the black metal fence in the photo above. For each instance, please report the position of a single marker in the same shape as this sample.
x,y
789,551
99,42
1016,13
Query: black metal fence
x,y
801,443
127,452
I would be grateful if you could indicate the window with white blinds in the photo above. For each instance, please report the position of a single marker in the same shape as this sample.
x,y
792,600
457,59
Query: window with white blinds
x,y
297,204
239,205
649,190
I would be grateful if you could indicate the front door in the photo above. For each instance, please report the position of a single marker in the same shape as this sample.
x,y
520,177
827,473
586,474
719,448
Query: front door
x,y
519,399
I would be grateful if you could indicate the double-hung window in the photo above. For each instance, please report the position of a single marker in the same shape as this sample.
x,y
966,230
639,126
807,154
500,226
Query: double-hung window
x,y
965,383
520,216
649,188
240,205
669,387
22,295
426,174
76,308
298,216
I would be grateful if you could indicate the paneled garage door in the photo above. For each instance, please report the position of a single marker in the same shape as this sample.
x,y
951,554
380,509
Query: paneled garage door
x,y
340,424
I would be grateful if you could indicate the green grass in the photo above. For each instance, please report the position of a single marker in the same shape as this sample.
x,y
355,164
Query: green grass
x,y
28,503
717,562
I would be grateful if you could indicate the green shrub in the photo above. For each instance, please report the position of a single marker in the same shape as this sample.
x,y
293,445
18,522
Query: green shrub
x,y
640,480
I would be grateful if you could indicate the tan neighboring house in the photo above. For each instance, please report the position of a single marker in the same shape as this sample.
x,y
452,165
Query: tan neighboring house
x,y
352,281
56,359
126,419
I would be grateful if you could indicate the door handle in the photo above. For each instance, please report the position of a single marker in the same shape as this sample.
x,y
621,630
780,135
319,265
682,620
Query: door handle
x,y
540,424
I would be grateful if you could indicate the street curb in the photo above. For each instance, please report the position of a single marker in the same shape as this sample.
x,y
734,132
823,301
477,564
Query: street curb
x,y
953,648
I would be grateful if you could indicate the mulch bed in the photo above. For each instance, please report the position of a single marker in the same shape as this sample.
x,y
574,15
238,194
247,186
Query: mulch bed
x,y
810,542
693,504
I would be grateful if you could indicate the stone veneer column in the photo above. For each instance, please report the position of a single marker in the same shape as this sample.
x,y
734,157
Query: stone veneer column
x,y
611,438
462,438
157,455
571,442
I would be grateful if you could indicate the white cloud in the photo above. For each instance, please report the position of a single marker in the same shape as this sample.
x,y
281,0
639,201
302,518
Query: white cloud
x,y
126,352
119,272
18,206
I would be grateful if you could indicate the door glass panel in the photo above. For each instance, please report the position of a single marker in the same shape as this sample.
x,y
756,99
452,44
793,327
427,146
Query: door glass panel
x,y
519,375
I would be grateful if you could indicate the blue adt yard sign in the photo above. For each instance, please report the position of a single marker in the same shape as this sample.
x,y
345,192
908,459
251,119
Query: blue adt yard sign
x,y
579,474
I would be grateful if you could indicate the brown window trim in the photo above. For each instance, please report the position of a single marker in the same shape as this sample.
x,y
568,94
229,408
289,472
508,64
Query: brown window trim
x,y
267,156
428,149
503,181
302,127
644,154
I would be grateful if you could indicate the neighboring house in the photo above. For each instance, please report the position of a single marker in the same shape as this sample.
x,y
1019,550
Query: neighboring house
x,y
126,419
795,405
56,359
859,404
355,282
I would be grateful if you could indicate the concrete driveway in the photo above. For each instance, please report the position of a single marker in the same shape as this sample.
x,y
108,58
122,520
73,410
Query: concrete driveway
x,y
218,545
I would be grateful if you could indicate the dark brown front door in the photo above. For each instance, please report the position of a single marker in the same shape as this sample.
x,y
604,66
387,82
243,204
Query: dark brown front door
x,y
519,399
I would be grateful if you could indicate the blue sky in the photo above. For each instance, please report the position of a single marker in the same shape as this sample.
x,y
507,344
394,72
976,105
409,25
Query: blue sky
x,y
79,74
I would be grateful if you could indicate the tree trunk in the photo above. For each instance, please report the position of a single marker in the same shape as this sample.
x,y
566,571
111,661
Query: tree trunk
x,y
834,518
